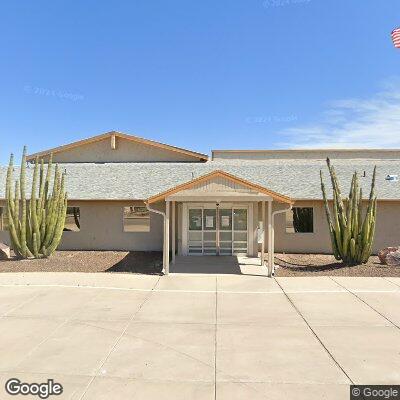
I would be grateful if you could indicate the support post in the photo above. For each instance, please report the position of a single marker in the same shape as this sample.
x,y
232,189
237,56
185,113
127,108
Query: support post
x,y
263,232
113,142
173,232
285,210
270,255
166,237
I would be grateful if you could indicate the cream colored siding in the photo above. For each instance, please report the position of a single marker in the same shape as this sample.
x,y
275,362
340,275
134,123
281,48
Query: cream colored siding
x,y
387,230
254,155
102,229
126,151
316,242
388,225
217,184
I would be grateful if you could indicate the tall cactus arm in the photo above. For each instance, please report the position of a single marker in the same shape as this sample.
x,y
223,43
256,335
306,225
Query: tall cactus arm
x,y
54,205
25,250
329,219
336,188
13,236
11,208
372,192
9,186
47,182
17,223
9,178
33,206
370,239
370,209
41,194
59,227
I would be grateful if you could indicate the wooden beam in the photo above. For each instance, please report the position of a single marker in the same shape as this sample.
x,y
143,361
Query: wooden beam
x,y
113,142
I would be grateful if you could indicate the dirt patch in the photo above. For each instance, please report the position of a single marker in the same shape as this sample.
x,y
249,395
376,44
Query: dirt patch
x,y
322,265
139,262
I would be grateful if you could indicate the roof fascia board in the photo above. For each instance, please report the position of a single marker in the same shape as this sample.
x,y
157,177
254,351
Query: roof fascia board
x,y
223,174
121,135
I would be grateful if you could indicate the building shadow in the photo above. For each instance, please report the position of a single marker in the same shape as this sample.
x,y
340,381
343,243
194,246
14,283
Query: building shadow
x,y
137,262
206,265
310,268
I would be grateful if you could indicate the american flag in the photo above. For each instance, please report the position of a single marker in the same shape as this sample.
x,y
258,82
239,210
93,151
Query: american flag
x,y
396,38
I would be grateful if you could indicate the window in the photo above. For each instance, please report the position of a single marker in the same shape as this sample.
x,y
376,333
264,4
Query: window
x,y
300,220
3,219
73,220
136,219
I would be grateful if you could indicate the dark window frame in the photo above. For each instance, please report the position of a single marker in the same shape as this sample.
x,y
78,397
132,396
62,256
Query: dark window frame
x,y
297,230
74,213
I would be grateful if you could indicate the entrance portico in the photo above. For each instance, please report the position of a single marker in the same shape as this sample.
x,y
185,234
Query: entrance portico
x,y
217,214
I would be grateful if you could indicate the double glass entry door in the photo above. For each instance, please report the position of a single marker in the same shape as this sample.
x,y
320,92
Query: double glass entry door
x,y
217,231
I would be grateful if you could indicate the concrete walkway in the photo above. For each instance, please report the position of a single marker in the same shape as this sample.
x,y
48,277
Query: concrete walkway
x,y
234,265
182,337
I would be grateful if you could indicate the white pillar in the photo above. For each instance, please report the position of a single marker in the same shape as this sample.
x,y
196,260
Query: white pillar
x,y
273,247
263,232
166,237
270,255
173,232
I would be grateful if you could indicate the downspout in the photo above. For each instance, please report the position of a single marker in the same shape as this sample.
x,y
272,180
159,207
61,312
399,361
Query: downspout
x,y
163,215
272,270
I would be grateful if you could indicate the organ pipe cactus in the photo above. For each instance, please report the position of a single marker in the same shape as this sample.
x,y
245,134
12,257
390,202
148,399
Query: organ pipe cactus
x,y
36,225
351,230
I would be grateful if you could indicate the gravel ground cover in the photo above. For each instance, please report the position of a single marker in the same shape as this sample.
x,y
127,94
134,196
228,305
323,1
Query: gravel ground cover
x,y
140,262
90,261
323,265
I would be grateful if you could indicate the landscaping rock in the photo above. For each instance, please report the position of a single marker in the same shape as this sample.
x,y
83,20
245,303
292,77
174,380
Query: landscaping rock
x,y
5,253
393,258
384,252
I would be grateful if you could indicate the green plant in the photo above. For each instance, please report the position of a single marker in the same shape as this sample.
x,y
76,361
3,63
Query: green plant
x,y
36,225
352,233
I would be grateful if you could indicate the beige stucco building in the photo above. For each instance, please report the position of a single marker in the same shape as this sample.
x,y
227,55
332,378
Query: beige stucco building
x,y
129,193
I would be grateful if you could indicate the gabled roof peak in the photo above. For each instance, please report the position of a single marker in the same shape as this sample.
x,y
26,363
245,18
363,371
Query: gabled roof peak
x,y
220,173
116,134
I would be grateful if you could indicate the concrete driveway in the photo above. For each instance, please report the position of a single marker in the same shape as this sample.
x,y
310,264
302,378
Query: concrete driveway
x,y
198,337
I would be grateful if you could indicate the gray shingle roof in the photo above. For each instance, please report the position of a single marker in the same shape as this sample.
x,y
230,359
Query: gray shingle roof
x,y
298,179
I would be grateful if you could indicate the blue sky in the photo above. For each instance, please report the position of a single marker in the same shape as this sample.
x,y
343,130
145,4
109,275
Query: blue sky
x,y
201,74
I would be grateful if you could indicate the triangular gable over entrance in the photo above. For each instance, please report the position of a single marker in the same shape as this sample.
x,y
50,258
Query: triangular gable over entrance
x,y
218,183
118,147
